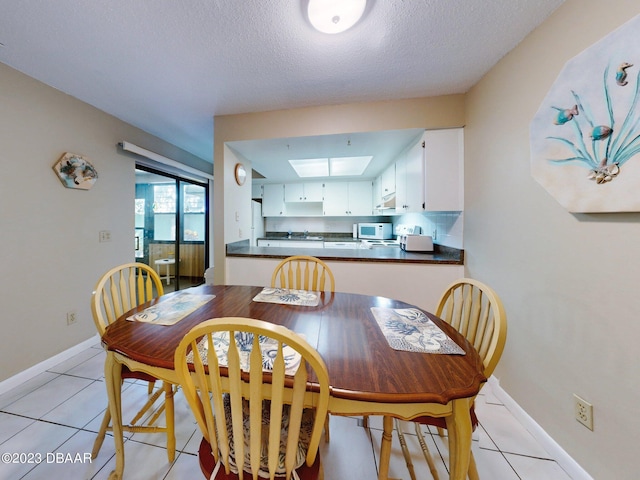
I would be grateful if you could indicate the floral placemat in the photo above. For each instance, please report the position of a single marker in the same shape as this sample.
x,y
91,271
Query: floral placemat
x,y
287,296
244,341
173,310
411,330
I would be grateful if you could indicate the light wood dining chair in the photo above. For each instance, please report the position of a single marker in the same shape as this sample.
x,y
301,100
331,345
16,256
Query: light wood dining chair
x,y
303,272
475,310
246,383
118,291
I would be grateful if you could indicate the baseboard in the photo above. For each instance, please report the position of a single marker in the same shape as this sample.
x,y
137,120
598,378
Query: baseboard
x,y
37,369
568,464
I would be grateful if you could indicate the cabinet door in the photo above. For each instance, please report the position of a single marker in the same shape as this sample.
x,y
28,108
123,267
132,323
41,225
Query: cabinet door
x,y
414,179
273,200
388,180
313,192
336,198
256,191
444,156
293,192
360,198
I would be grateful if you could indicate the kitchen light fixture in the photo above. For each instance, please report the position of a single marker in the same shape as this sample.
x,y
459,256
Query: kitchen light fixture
x,y
335,16
330,167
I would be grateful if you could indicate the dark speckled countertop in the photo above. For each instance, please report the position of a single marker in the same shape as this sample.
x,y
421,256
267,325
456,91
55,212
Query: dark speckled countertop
x,y
440,255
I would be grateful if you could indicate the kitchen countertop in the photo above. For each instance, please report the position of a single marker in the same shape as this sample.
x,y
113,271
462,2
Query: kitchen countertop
x,y
441,255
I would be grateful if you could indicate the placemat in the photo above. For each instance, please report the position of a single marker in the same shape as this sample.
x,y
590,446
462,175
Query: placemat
x,y
244,341
287,296
173,310
411,330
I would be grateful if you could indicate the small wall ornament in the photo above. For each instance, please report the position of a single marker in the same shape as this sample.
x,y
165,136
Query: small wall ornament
x,y
585,137
75,171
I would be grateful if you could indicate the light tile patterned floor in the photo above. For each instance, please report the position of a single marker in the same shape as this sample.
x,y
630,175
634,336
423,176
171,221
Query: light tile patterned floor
x,y
59,412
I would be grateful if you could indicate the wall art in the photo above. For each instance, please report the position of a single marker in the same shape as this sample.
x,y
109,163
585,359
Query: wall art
x,y
585,137
75,171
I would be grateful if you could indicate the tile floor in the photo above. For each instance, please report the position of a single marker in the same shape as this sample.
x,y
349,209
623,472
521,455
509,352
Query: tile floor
x,y
59,412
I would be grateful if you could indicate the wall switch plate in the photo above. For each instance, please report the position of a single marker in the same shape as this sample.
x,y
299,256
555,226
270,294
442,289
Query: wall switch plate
x,y
583,411
104,236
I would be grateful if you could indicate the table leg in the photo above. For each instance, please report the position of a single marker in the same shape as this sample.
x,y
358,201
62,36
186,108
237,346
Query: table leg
x,y
168,274
385,447
113,380
459,430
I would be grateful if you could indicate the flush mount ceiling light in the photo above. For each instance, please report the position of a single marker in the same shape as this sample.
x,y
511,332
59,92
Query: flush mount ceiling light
x,y
335,16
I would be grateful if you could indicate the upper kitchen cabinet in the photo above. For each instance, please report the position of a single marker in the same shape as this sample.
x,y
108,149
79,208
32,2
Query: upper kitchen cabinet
x,y
444,167
388,181
409,180
273,200
348,198
429,173
303,192
256,191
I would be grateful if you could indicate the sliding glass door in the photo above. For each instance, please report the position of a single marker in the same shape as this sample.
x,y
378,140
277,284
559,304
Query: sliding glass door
x,y
171,231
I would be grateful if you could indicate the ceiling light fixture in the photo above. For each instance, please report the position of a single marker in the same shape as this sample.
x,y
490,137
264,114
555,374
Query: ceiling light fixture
x,y
335,16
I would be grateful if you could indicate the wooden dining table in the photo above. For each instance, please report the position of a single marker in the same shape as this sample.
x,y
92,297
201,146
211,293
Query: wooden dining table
x,y
367,376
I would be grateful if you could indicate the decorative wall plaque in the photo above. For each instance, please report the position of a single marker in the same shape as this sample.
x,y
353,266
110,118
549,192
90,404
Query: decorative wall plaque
x,y
585,137
75,171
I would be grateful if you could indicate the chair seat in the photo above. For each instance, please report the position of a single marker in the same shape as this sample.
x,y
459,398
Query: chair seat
x,y
208,464
442,423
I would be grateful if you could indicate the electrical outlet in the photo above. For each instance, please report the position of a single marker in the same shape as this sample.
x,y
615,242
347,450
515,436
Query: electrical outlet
x,y
584,411
71,317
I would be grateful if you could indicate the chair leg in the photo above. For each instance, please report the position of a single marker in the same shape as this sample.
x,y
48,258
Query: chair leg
x,y
473,470
169,418
426,453
97,444
441,431
326,429
365,421
405,451
150,387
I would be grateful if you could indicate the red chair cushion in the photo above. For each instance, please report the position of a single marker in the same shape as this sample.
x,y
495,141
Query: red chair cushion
x,y
208,463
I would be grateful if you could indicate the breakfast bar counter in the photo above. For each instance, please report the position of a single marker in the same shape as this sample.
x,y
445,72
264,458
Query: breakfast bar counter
x,y
441,254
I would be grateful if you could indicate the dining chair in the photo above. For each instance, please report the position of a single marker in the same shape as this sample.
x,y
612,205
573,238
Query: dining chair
x,y
303,272
475,310
246,382
118,291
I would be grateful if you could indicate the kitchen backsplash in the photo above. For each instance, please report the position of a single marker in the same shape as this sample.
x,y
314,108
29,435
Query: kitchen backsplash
x,y
445,227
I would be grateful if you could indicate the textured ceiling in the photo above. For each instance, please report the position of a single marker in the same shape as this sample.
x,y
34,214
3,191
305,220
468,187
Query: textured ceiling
x,y
169,66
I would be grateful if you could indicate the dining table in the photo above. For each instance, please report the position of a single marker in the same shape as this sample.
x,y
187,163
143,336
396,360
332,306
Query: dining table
x,y
368,376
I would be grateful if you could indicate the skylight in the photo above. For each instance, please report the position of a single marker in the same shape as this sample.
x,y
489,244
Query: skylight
x,y
330,167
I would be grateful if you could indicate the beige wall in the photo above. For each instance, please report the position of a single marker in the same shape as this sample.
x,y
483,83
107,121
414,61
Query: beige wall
x,y
569,282
436,112
51,258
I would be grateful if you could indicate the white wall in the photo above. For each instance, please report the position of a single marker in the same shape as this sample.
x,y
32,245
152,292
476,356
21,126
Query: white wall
x,y
51,258
569,282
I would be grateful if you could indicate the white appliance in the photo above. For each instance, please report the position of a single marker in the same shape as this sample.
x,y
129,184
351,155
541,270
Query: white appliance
x,y
257,222
416,243
379,244
375,231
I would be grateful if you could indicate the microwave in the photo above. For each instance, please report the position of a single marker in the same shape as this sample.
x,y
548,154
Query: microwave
x,y
375,231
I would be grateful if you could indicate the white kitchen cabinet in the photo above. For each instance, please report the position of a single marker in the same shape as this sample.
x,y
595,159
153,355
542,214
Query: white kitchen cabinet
x,y
256,191
291,243
269,243
444,182
303,192
388,181
348,198
410,179
348,245
273,200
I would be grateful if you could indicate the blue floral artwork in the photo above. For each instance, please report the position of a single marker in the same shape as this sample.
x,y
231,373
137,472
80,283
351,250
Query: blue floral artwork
x,y
75,171
585,137
409,329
